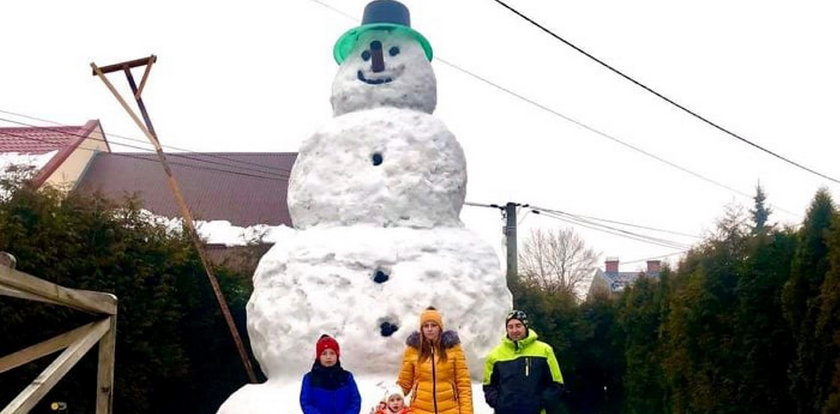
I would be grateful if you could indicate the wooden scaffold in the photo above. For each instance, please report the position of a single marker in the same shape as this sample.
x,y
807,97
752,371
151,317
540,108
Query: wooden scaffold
x,y
75,343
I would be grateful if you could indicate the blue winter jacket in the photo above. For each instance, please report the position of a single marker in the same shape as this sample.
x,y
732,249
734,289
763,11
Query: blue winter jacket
x,y
342,400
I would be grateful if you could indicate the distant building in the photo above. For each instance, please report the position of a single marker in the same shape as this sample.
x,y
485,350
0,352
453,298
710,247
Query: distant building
x,y
245,189
610,281
60,155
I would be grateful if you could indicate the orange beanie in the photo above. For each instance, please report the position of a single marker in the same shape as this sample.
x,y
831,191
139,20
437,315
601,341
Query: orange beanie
x,y
431,315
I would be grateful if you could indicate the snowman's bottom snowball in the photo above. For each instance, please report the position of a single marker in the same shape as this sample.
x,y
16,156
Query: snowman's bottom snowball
x,y
323,280
283,396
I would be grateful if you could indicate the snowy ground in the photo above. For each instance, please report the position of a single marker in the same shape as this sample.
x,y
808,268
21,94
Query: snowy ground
x,y
282,396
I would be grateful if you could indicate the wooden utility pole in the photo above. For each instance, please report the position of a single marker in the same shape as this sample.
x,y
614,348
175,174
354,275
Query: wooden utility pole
x,y
510,239
150,133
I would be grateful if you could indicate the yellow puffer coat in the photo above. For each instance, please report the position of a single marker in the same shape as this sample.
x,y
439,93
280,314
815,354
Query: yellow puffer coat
x,y
440,388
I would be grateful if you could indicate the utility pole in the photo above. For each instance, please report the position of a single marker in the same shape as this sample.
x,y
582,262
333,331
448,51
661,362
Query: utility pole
x,y
509,214
150,133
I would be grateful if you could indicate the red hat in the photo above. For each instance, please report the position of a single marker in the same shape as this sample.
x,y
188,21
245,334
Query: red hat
x,y
326,342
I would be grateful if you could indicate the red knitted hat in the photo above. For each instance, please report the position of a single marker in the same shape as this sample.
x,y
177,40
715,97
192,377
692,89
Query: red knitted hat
x,y
326,342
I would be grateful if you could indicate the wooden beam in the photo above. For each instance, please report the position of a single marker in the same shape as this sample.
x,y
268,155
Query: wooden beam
x,y
127,64
30,396
7,291
42,349
89,301
148,130
105,377
152,60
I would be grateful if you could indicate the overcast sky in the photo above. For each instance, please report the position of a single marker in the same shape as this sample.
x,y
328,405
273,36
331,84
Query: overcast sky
x,y
254,76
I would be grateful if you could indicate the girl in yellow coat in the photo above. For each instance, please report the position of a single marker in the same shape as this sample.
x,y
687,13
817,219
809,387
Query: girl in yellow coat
x,y
434,369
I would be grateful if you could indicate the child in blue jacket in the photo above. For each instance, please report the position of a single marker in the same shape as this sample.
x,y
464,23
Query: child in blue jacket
x,y
328,388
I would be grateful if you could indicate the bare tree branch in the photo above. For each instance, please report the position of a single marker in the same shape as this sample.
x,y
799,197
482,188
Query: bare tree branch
x,y
556,260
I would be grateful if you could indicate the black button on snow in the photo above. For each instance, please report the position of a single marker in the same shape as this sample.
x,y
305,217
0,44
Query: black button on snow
x,y
377,158
388,328
380,277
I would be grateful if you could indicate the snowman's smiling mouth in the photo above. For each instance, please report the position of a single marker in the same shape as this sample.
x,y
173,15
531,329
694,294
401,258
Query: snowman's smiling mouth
x,y
376,81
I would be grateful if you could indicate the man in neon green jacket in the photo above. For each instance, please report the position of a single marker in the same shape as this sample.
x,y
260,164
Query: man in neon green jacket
x,y
521,375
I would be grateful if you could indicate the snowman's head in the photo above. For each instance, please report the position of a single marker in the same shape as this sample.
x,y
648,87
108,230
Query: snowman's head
x,y
385,68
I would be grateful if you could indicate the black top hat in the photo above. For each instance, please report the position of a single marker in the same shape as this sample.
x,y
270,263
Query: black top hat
x,y
386,11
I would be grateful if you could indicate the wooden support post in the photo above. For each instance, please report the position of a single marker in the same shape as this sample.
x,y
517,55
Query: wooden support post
x,y
152,59
6,259
149,131
105,376
30,396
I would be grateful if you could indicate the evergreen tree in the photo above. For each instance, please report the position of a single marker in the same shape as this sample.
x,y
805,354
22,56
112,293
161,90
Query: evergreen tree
x,y
640,320
173,352
700,356
600,367
764,339
760,213
801,303
828,328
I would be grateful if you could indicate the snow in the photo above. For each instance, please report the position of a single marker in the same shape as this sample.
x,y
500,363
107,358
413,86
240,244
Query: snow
x,y
412,84
421,181
276,396
375,197
222,231
321,280
36,161
24,161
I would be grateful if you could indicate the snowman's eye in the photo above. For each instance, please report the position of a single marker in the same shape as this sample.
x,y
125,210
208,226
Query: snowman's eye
x,y
376,158
380,276
366,56
393,51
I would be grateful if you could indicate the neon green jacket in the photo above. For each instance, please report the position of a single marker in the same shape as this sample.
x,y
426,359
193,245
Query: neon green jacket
x,y
522,377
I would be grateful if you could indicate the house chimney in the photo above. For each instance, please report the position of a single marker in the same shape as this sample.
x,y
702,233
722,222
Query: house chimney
x,y
654,266
611,265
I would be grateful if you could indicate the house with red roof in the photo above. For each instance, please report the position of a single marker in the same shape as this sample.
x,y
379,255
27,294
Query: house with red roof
x,y
60,155
245,189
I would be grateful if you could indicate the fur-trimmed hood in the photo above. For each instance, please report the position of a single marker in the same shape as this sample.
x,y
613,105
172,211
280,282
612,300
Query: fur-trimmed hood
x,y
448,339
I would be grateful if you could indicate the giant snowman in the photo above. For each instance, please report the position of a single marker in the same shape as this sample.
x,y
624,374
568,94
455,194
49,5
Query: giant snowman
x,y
375,198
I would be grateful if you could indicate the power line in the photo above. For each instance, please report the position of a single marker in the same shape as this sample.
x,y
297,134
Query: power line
x,y
621,223
539,210
579,219
618,232
606,135
655,257
663,97
261,168
176,155
584,222
579,123
127,155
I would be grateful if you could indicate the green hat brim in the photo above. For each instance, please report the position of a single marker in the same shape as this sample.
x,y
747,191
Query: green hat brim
x,y
347,42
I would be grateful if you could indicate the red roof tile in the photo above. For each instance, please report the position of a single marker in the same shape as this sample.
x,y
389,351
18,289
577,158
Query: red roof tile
x,y
39,140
